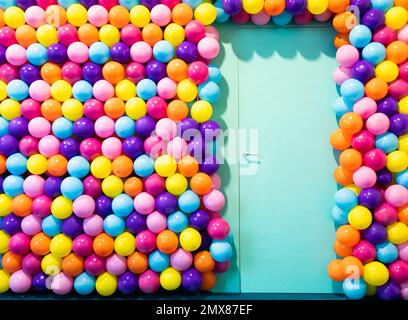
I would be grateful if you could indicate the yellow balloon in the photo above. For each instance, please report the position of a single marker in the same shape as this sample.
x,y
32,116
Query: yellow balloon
x,y
14,17
186,90
4,242
165,165
51,265
125,244
317,6
387,71
61,90
190,239
125,90
170,279
3,90
397,233
360,217
176,184
140,16
397,161
396,17
112,186
375,274
403,143
106,284
77,15
72,109
37,164
354,188
201,111
10,109
47,35
403,105
60,246
135,108
253,6
174,34
61,207
206,13
101,167
5,205
4,281
109,35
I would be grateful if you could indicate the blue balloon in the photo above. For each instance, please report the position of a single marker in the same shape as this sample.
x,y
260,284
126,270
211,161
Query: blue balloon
x,y
222,16
158,261
16,164
71,188
143,166
163,51
4,4
345,199
113,225
221,251
214,74
129,4
99,53
37,54
17,90
4,124
209,91
146,89
374,53
84,283
339,216
177,221
192,3
125,127
82,90
386,142
62,128
122,205
67,3
352,90
386,252
283,19
383,5
13,185
402,178
354,288
360,36
51,225
341,107
189,201
78,167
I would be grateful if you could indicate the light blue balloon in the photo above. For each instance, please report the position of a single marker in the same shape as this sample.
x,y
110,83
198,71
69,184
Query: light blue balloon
x,y
37,54
4,124
360,36
189,201
51,225
341,107
345,199
352,90
386,252
16,164
71,188
78,167
354,288
17,90
1,258
122,205
13,185
209,91
339,216
383,5
4,4
67,3
62,128
82,90
129,4
221,251
143,166
163,51
386,142
283,19
158,261
222,16
84,283
99,53
146,89
125,127
177,221
214,74
113,225
192,3
374,53
402,178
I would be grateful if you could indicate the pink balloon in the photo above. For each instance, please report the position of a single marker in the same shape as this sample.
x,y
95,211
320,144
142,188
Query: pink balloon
x,y
160,15
347,55
364,177
365,107
40,90
144,203
214,200
378,123
177,148
260,18
341,74
98,15
396,195
116,264
83,206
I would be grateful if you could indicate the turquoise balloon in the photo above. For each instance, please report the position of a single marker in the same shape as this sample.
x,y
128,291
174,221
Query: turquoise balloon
x,y
283,19
386,252
84,283
51,225
354,288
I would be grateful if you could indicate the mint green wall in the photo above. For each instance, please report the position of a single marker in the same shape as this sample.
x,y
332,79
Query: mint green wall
x,y
279,80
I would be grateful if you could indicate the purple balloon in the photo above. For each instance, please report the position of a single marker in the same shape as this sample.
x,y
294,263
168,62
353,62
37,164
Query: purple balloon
x,y
89,3
199,219
187,51
57,53
155,70
362,71
128,283
103,206
191,279
136,222
370,198
232,7
2,55
145,125
374,19
11,224
206,240
18,127
388,106
166,203
84,128
399,124
52,187
188,124
69,148
92,72
133,147
8,145
210,129
363,5
24,4
149,3
384,177
120,52
210,165
390,291
39,281
376,233
29,73
72,226
296,6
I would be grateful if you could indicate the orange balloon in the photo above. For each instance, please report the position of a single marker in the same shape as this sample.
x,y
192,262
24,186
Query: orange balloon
x,y
351,123
341,39
335,270
188,166
137,262
3,167
347,235
342,250
2,23
103,245
177,70
343,176
344,22
340,140
401,3
133,186
203,262
50,73
376,89
11,262
177,110
338,6
397,51
40,244
114,108
55,15
57,165
352,267
21,205
403,214
152,33
113,72
208,281
122,166
72,265
26,35
350,159
51,109
88,34
182,14
119,16
167,241
201,183
274,7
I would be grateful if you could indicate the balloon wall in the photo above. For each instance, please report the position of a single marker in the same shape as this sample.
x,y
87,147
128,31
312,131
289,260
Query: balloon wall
x,y
101,192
